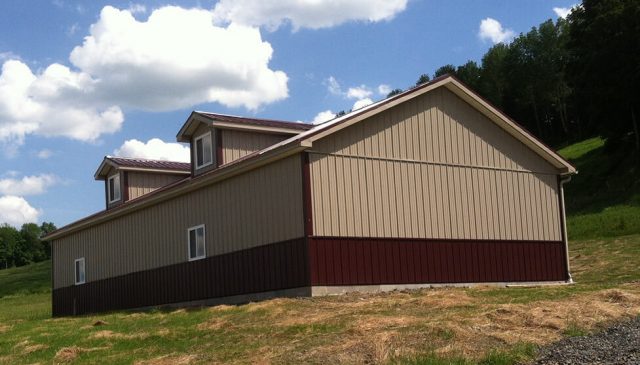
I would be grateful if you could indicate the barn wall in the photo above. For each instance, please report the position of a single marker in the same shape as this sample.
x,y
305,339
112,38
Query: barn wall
x,y
253,209
336,261
266,270
433,167
141,183
237,144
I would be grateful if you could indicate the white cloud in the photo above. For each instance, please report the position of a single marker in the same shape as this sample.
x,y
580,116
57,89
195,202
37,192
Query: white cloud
x,y
361,103
16,211
564,12
175,59
491,29
323,117
359,92
55,102
137,9
312,14
178,58
44,154
155,149
333,86
384,89
28,185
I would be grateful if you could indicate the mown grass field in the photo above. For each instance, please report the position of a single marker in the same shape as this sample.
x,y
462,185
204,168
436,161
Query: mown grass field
x,y
443,326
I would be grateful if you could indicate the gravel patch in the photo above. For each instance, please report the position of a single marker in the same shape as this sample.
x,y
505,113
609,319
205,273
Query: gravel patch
x,y
619,344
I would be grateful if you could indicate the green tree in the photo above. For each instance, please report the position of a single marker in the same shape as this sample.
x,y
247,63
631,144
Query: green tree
x,y
394,92
493,75
9,238
445,70
470,73
604,67
423,79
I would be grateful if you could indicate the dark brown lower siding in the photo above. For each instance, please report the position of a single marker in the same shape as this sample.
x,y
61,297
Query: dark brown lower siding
x,y
277,266
367,261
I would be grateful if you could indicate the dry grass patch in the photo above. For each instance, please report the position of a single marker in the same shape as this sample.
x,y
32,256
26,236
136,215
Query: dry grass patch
x,y
4,328
106,334
169,360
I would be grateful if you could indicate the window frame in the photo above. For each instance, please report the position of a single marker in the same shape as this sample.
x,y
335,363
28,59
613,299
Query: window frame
x,y
195,150
76,271
109,179
204,242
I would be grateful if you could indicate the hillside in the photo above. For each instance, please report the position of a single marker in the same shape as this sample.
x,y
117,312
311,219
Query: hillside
x,y
603,200
439,326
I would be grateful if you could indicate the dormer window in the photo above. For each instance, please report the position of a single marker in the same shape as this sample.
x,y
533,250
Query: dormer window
x,y
204,150
114,188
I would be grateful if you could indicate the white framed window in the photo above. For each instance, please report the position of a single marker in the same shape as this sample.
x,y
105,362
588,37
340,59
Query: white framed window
x,y
203,150
195,240
113,187
79,274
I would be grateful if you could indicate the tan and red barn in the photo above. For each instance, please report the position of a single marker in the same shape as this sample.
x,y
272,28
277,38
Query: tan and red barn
x,y
432,186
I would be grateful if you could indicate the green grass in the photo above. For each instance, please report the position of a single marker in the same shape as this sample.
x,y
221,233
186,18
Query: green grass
x,y
32,279
603,199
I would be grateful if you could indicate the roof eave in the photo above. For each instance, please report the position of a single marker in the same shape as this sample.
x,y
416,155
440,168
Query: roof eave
x,y
227,171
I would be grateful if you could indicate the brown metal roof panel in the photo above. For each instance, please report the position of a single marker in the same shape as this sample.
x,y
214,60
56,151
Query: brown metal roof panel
x,y
256,121
151,164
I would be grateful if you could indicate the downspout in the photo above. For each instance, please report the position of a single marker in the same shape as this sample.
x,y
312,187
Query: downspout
x,y
565,237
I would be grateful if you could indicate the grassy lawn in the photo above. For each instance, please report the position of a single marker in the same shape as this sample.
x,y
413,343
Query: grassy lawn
x,y
444,326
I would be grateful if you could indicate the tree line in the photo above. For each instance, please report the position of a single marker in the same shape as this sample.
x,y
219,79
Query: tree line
x,y
24,246
567,80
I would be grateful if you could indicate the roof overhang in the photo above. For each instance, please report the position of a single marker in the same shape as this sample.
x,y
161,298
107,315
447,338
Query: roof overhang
x,y
196,118
107,164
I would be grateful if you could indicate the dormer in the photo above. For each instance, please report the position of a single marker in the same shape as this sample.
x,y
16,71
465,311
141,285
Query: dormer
x,y
130,178
218,139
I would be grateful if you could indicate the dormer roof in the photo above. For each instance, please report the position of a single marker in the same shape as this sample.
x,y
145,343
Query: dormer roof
x,y
240,123
141,164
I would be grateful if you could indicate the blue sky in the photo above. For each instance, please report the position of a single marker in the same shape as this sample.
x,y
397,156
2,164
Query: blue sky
x,y
85,79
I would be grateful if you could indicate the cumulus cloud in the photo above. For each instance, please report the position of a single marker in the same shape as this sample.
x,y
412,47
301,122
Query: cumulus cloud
x,y
16,211
178,58
323,117
492,30
154,149
359,92
55,102
384,89
175,59
564,12
305,14
362,103
28,185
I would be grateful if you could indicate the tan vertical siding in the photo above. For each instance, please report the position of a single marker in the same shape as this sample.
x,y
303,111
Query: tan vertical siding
x,y
141,183
433,167
237,144
256,208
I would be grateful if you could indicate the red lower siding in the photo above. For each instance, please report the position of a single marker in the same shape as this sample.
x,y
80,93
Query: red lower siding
x,y
277,266
369,261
